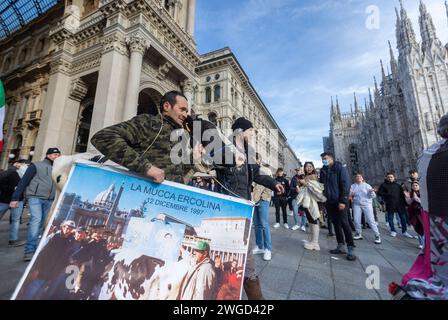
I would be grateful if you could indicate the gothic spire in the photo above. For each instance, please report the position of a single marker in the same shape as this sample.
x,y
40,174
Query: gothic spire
x,y
371,104
332,107
405,32
446,6
356,103
383,73
427,29
376,85
393,62
338,109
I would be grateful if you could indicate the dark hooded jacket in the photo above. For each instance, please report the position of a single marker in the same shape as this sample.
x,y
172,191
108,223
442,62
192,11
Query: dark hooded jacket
x,y
336,183
239,180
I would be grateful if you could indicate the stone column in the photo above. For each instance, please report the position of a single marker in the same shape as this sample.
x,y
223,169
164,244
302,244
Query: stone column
x,y
111,85
188,92
50,127
191,16
137,45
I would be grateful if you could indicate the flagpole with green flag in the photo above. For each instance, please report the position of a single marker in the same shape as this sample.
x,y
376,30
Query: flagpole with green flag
x,y
2,113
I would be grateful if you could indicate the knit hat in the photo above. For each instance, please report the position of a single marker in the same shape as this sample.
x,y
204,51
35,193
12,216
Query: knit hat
x,y
442,129
242,123
52,150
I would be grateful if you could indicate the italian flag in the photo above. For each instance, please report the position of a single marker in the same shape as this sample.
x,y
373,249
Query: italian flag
x,y
2,113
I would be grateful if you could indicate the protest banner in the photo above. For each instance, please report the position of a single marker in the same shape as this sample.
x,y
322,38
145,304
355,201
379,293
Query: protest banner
x,y
115,235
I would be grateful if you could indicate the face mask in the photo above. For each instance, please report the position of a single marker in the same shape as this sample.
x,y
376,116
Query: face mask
x,y
326,163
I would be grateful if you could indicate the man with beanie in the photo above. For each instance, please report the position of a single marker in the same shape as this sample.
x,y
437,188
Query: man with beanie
x,y
236,180
39,189
337,186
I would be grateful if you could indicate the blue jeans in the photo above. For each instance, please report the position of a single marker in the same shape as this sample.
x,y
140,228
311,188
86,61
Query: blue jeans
x,y
295,211
403,221
261,221
16,213
38,210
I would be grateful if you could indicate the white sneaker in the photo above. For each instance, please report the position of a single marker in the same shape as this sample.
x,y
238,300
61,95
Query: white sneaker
x,y
295,227
357,236
258,251
277,225
393,234
420,247
407,235
267,255
290,213
303,228
378,239
286,225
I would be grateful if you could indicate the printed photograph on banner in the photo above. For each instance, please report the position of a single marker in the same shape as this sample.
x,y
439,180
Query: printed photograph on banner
x,y
116,236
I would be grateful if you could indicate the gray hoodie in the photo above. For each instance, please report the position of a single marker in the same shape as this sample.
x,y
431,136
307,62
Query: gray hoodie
x,y
362,195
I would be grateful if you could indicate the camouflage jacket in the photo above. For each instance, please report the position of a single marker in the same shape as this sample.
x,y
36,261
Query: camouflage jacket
x,y
126,144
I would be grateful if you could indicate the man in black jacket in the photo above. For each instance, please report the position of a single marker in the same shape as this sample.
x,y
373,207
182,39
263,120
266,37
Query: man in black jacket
x,y
236,180
281,200
9,180
393,195
337,187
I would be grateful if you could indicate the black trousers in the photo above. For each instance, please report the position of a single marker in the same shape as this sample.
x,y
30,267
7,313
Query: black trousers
x,y
280,203
340,223
308,216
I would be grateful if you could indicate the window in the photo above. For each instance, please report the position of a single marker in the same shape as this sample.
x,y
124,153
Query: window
x,y
7,64
208,95
208,79
217,76
23,55
217,93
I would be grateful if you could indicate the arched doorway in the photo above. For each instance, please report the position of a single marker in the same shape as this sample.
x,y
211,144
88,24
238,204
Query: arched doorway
x,y
84,122
148,101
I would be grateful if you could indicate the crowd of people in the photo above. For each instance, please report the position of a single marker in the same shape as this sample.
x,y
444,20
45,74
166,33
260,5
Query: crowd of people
x,y
29,184
316,199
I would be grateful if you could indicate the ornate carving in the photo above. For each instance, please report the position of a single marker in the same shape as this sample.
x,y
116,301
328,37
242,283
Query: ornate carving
x,y
187,86
138,43
114,42
61,66
110,7
87,63
163,70
78,90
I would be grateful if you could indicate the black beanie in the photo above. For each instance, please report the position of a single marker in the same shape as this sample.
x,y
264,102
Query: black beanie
x,y
53,150
242,123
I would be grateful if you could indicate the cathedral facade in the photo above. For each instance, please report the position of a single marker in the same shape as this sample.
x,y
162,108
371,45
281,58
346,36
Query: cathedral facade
x,y
83,65
392,128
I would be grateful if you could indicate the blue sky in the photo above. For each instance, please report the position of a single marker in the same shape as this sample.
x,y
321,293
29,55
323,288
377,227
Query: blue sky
x,y
299,53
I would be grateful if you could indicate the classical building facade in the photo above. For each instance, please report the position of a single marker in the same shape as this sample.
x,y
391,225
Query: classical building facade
x,y
391,130
83,65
